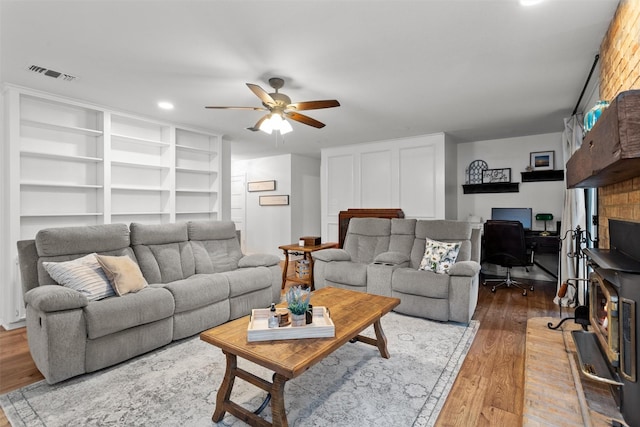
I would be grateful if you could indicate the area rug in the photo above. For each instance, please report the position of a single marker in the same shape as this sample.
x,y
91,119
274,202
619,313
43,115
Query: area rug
x,y
177,385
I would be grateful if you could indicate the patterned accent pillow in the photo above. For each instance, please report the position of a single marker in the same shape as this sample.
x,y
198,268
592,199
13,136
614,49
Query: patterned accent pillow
x,y
82,274
439,256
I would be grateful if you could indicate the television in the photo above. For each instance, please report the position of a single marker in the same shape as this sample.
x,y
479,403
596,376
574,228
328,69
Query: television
x,y
524,215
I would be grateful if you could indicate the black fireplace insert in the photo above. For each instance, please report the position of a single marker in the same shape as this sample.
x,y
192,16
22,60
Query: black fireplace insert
x,y
609,351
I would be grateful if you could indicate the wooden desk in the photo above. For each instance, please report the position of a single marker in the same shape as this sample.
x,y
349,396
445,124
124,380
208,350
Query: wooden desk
x,y
305,252
546,251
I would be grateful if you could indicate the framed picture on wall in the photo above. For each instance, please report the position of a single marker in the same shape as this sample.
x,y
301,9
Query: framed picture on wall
x,y
261,186
276,200
491,176
542,160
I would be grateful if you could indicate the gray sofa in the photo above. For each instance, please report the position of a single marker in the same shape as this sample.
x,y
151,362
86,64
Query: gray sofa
x,y
197,278
382,256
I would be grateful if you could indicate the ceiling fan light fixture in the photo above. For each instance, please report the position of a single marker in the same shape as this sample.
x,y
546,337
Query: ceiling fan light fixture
x,y
266,126
277,123
285,127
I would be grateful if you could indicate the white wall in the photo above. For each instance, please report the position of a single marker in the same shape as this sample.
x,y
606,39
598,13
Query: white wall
x,y
547,197
268,227
305,207
406,173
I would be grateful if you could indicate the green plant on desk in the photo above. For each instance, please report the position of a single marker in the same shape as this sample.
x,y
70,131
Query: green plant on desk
x,y
298,300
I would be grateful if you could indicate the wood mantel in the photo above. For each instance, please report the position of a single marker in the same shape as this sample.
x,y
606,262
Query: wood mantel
x,y
610,152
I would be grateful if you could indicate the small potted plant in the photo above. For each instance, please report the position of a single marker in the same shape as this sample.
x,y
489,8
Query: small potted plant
x,y
298,303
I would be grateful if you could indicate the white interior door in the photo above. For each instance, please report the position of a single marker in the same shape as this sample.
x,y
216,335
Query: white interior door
x,y
238,202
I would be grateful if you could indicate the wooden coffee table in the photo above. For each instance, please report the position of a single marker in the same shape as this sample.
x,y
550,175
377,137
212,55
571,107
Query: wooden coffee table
x,y
351,312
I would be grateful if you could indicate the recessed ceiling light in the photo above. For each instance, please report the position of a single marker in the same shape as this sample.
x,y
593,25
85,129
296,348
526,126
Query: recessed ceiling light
x,y
165,105
530,2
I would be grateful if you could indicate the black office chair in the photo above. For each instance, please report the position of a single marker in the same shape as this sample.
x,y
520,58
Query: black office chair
x,y
505,246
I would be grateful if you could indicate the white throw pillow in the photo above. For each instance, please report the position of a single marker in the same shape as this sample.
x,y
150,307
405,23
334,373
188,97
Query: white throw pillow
x,y
439,256
85,275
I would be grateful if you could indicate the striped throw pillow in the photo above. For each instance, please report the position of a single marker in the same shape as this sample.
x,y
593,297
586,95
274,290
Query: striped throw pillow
x,y
84,274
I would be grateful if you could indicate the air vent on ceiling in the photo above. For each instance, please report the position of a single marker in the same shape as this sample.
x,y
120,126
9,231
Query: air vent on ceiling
x,y
51,73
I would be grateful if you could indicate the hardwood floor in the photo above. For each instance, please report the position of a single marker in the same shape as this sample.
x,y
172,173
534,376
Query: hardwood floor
x,y
489,388
487,392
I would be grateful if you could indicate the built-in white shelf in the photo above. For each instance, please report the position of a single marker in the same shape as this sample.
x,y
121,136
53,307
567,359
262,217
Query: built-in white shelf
x,y
137,140
195,190
196,170
61,128
54,156
138,188
139,213
194,212
196,150
139,165
59,214
58,184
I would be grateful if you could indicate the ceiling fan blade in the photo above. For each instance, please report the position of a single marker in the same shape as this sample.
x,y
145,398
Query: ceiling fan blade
x,y
256,127
314,105
304,119
237,108
262,94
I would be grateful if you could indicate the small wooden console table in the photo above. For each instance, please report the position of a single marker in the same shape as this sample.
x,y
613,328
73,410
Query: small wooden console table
x,y
305,252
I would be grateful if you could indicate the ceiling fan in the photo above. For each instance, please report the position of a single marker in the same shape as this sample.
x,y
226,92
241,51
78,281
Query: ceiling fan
x,y
280,106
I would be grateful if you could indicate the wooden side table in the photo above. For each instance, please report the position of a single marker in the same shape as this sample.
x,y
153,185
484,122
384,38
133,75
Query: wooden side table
x,y
305,252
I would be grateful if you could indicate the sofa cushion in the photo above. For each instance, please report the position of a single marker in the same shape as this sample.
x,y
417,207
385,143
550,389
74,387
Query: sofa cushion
x,y
123,273
439,256
163,251
403,233
198,291
258,260
419,282
51,242
215,245
158,234
117,314
345,272
366,238
84,275
247,280
165,263
444,231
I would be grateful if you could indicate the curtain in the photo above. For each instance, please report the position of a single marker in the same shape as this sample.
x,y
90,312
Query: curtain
x,y
573,215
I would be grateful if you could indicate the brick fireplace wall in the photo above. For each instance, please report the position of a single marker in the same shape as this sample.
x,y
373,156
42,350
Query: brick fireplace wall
x,y
620,71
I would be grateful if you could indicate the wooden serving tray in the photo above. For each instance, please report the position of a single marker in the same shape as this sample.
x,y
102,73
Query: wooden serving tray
x,y
258,329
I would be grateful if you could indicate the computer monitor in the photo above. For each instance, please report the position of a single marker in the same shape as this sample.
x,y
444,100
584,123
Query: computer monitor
x,y
524,215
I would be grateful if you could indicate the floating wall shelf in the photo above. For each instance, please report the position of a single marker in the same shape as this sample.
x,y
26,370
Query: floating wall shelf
x,y
497,187
537,176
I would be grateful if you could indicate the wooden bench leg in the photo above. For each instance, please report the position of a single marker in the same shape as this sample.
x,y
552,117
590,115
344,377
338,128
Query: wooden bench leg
x,y
380,341
279,416
224,393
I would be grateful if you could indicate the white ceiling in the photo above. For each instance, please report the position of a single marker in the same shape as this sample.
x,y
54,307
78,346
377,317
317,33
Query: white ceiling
x,y
476,69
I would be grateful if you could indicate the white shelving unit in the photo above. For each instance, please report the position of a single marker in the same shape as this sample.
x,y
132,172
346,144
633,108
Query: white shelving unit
x,y
197,166
142,178
70,163
60,163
